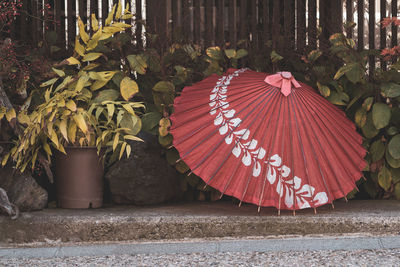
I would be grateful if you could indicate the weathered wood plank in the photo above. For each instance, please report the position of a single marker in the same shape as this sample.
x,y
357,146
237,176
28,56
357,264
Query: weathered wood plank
x,y
394,27
360,24
288,24
371,33
383,32
349,17
186,20
243,33
276,26
312,23
209,25
196,22
139,17
232,22
104,10
301,25
220,30
266,21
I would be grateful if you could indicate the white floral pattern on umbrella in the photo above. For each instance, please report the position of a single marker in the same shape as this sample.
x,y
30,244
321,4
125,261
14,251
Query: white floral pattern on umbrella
x,y
278,174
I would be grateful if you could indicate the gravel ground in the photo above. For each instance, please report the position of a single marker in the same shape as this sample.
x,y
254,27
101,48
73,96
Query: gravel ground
x,y
295,258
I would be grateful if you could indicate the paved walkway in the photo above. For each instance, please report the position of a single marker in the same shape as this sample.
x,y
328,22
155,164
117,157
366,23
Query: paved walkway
x,y
197,220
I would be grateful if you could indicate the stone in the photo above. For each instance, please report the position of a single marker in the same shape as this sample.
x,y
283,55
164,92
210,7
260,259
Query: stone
x,y
145,177
22,190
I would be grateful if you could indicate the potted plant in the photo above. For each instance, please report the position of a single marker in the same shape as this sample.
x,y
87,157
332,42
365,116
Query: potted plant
x,y
84,114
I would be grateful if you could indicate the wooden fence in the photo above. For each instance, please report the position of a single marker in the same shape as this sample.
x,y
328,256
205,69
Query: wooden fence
x,y
291,25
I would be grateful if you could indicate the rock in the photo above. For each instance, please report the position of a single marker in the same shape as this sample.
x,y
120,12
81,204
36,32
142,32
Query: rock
x,y
144,178
22,190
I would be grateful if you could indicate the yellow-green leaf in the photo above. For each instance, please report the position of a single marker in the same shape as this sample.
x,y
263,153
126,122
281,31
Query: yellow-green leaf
x,y
115,142
91,57
23,118
72,132
71,105
110,109
83,34
63,129
59,72
119,11
49,82
103,75
79,48
105,36
127,16
121,25
112,30
47,148
128,88
92,44
128,151
95,23
5,159
110,15
73,61
80,122
121,152
81,82
54,138
133,138
10,114
97,85
91,66
128,108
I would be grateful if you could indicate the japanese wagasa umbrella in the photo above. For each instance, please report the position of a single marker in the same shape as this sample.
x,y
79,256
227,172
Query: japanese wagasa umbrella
x,y
267,139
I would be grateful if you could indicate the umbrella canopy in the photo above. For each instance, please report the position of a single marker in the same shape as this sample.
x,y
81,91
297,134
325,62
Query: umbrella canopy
x,y
267,140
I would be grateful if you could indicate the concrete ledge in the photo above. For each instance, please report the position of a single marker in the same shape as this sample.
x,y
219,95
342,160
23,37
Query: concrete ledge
x,y
197,220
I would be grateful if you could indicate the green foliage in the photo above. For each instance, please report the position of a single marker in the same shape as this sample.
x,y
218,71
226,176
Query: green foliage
x,y
371,99
83,105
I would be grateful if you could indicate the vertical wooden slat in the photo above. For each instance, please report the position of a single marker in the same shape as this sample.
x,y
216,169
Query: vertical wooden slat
x,y
151,16
162,24
243,20
232,22
139,41
383,32
83,10
253,23
312,23
36,27
288,24
71,23
59,16
94,8
175,15
209,27
104,10
23,23
335,11
371,33
266,21
301,25
324,22
186,19
275,23
394,27
349,17
196,22
360,24
219,32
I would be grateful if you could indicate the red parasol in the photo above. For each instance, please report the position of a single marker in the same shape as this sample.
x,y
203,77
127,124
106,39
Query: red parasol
x,y
267,140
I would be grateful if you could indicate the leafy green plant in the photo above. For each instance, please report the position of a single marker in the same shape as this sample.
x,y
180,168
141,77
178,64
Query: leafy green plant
x,y
371,99
81,106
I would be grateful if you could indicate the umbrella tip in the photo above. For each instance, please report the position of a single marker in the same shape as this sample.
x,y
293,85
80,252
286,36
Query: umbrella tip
x,y
315,210
221,195
259,208
240,203
177,161
190,173
294,213
279,212
333,206
364,178
345,198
